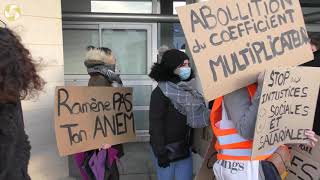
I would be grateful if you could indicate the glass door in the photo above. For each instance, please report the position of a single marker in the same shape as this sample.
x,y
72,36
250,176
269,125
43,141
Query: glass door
x,y
135,48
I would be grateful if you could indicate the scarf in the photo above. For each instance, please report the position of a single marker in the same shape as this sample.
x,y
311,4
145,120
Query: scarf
x,y
188,102
106,72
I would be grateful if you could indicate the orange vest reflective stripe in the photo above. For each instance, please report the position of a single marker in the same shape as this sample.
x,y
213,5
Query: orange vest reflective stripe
x,y
230,145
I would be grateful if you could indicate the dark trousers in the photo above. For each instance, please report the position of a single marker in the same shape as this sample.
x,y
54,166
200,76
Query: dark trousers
x,y
269,170
112,173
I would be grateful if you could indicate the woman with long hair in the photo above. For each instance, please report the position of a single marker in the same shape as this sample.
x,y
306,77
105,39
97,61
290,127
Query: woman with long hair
x,y
18,81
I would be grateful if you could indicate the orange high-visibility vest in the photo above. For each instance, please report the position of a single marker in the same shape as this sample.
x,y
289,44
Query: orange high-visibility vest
x,y
230,145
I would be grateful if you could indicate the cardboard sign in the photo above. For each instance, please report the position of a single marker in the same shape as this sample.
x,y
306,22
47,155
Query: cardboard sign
x,y
88,117
305,162
232,41
287,107
206,171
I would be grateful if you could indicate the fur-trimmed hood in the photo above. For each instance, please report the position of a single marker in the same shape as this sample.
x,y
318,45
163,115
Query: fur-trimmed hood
x,y
96,57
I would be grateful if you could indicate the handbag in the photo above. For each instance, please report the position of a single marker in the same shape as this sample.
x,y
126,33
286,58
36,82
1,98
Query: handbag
x,y
281,160
179,150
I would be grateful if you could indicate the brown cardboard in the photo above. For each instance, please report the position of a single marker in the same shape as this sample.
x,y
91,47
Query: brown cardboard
x,y
287,107
206,171
91,126
305,162
234,15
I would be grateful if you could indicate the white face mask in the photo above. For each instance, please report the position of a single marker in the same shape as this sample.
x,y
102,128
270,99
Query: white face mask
x,y
183,72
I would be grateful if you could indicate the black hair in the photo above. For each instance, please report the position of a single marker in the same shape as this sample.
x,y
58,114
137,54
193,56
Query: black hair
x,y
19,78
164,71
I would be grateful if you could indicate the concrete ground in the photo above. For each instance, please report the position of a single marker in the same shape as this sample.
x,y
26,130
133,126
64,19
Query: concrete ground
x,y
137,163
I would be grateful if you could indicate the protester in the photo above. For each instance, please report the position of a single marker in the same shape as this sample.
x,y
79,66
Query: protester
x,y
233,120
18,81
315,46
175,107
100,64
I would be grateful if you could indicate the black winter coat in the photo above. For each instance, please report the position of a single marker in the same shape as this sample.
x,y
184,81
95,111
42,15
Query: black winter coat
x,y
14,144
167,125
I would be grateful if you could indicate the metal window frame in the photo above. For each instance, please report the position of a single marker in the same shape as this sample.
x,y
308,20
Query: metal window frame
x,y
128,80
313,28
152,38
109,17
312,18
133,26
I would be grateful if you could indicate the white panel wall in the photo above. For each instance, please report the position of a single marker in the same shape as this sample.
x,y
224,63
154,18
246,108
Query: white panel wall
x,y
40,28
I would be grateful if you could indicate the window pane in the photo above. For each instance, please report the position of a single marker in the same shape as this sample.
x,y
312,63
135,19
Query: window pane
x,y
172,36
130,49
141,120
144,7
141,95
74,46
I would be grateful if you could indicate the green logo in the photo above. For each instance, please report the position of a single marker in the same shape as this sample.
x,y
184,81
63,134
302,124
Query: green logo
x,y
12,12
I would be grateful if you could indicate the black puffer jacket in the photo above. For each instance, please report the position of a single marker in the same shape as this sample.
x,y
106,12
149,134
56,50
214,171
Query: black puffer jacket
x,y
167,125
14,145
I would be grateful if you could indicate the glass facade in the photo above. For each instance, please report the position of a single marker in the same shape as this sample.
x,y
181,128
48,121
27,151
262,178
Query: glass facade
x,y
75,42
130,49
133,44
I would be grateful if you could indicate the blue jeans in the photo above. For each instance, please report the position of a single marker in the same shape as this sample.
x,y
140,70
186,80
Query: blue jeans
x,y
178,170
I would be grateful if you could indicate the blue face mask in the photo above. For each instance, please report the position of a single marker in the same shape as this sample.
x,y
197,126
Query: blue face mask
x,y
184,73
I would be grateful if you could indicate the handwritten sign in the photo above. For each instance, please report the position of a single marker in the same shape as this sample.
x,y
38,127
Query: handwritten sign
x,y
231,41
305,162
287,107
88,117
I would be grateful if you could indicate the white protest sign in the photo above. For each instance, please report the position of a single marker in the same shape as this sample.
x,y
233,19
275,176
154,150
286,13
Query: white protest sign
x,y
287,107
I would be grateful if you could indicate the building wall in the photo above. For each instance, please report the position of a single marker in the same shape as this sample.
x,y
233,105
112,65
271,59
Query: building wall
x,y
40,28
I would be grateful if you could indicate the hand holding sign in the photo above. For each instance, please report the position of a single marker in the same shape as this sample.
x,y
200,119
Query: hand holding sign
x,y
286,109
305,162
312,138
